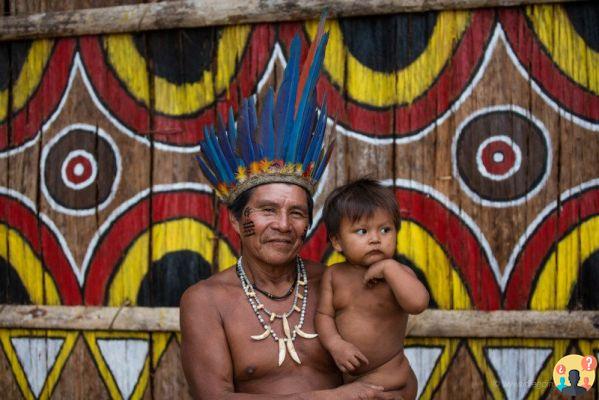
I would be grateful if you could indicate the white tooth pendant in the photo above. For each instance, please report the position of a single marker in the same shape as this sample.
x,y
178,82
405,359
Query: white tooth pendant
x,y
262,336
286,327
291,350
304,334
282,351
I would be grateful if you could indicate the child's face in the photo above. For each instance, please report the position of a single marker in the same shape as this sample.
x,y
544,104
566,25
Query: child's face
x,y
368,240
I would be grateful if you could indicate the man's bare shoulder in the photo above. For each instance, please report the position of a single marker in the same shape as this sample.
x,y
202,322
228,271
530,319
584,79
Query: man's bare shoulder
x,y
206,291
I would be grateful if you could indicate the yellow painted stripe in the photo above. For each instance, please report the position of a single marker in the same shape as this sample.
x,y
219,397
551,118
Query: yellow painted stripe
x,y
39,284
29,77
167,237
565,46
560,272
382,89
170,98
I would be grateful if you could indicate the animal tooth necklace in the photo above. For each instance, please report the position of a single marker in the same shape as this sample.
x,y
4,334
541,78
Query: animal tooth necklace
x,y
285,343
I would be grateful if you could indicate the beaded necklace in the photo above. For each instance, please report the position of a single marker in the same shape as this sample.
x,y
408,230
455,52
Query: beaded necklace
x,y
285,343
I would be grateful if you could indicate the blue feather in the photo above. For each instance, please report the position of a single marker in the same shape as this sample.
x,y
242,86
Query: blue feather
x,y
215,154
207,172
317,138
323,163
244,140
306,97
232,129
259,154
286,99
306,133
267,133
225,145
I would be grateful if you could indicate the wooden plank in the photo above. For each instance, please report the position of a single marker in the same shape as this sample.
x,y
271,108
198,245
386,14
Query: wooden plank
x,y
186,14
431,323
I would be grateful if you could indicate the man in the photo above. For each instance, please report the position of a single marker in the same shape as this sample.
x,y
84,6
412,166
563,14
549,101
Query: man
x,y
247,332
220,359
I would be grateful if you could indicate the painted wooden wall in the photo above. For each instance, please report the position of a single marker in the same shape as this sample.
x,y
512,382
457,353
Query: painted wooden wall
x,y
486,124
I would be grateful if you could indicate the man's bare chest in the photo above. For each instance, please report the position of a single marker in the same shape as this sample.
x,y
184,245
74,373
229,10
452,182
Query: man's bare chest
x,y
259,359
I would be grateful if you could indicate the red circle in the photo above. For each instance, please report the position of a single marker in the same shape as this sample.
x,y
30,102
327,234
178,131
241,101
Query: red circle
x,y
87,169
498,167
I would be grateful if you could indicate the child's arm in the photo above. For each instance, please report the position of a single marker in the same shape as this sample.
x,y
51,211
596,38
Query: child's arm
x,y
410,293
346,355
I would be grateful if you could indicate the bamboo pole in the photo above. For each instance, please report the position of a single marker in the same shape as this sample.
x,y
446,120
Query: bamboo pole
x,y
199,13
431,323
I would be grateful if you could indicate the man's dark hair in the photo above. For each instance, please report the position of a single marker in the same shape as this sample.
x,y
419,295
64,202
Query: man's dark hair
x,y
236,208
356,200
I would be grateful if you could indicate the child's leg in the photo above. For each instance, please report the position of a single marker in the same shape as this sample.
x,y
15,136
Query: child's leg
x,y
395,375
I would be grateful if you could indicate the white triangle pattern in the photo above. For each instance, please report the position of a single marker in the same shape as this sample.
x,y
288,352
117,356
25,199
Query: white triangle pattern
x,y
125,359
517,368
37,356
422,360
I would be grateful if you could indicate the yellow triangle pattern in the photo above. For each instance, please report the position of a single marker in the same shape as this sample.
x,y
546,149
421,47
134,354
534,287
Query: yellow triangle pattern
x,y
69,338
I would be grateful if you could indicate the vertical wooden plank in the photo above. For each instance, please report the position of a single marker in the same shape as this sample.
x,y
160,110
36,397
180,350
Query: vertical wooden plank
x,y
80,377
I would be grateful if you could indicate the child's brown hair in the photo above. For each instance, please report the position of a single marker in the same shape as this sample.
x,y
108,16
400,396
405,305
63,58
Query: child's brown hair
x,y
356,200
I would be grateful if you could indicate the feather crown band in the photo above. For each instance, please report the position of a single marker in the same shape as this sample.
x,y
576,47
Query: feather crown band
x,y
284,145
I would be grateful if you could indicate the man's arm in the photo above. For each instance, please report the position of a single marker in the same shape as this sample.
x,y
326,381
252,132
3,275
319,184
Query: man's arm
x,y
346,355
409,292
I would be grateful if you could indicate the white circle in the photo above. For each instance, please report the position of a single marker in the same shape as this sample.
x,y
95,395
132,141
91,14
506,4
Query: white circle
x,y
498,157
79,169
115,183
481,166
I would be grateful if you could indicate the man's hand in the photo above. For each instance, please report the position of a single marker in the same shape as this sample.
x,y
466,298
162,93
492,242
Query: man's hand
x,y
364,391
347,356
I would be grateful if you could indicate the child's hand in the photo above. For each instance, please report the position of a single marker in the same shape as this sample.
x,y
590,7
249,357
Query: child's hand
x,y
347,356
375,273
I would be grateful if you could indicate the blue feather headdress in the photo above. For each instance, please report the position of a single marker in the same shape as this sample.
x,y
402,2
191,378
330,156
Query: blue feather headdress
x,y
284,144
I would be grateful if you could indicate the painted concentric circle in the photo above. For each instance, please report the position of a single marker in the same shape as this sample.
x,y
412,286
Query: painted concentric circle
x,y
88,170
79,169
501,156
498,157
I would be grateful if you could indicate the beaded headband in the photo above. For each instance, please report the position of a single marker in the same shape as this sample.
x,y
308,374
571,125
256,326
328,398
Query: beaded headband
x,y
285,145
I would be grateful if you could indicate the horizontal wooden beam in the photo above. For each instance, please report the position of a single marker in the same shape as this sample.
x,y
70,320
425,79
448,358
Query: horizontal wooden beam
x,y
198,13
431,323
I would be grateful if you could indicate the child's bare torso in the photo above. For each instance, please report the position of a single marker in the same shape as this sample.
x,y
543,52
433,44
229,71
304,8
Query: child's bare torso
x,y
370,318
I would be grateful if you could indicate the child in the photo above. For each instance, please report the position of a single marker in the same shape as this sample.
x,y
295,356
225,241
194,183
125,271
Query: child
x,y
365,301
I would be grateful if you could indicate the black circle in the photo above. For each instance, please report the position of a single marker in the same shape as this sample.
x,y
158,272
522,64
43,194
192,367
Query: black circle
x,y
12,289
180,56
388,43
524,133
584,17
92,195
12,58
400,258
170,276
586,294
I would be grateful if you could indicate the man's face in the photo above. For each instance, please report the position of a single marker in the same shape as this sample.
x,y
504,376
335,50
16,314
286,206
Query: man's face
x,y
273,224
368,240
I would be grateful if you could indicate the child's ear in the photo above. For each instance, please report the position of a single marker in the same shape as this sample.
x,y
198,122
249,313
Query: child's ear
x,y
335,242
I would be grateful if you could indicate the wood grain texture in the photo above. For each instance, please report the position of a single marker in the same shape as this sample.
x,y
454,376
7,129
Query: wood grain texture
x,y
431,323
180,14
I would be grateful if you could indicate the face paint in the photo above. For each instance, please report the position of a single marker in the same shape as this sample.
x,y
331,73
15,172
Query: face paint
x,y
248,227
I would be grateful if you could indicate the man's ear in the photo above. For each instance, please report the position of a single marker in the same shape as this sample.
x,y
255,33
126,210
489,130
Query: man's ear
x,y
335,242
234,222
